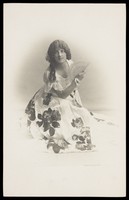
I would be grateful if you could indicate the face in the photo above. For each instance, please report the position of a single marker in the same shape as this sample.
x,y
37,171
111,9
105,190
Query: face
x,y
60,56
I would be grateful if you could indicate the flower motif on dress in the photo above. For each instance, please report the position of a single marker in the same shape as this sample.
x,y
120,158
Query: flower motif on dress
x,y
78,123
49,120
82,140
47,99
30,110
57,144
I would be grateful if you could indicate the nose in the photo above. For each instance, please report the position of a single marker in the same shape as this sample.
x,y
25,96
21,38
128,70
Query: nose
x,y
59,53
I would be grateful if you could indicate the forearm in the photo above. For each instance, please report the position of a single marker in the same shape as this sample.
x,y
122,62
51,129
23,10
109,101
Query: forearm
x,y
66,92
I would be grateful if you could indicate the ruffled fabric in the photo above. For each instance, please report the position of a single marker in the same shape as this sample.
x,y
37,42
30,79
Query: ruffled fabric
x,y
62,124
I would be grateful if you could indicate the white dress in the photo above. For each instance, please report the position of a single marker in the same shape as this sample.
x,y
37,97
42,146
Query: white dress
x,y
62,124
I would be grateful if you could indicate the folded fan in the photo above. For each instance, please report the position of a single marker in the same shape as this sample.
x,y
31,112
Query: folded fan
x,y
77,68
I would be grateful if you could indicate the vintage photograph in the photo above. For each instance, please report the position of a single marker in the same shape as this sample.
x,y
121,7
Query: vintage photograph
x,y
64,99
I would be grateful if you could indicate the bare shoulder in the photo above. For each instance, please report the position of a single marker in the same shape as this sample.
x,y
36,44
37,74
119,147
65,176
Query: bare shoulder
x,y
70,62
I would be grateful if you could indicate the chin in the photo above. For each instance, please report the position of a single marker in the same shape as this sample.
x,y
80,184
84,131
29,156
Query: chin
x,y
60,61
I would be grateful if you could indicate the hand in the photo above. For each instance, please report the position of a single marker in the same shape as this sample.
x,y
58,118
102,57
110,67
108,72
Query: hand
x,y
81,75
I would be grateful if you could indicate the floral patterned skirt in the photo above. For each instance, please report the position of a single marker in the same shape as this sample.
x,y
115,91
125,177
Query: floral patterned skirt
x,y
61,124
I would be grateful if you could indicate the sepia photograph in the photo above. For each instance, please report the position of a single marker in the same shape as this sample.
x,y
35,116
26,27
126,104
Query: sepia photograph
x,y
64,99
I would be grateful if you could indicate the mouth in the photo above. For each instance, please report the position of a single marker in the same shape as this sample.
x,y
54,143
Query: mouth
x,y
60,58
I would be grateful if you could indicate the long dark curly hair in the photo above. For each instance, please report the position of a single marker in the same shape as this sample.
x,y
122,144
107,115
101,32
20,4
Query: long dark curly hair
x,y
51,59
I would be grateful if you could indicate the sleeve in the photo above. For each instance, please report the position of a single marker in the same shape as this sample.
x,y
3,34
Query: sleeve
x,y
70,62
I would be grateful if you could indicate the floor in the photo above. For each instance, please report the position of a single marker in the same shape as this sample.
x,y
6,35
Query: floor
x,y
30,170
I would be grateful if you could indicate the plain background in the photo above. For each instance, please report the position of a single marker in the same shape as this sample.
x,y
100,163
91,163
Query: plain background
x,y
94,33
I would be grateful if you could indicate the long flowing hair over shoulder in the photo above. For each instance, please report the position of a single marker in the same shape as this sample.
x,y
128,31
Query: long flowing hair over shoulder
x,y
51,59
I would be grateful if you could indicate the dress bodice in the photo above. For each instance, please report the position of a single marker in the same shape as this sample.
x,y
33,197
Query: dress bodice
x,y
64,82
60,83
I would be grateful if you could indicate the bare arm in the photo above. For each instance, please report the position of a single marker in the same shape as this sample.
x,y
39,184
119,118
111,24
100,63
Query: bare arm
x,y
67,91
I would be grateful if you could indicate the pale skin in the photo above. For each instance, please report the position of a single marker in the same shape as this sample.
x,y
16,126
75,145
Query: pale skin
x,y
62,69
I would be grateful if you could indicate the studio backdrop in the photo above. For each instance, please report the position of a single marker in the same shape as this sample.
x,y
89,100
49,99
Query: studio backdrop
x,y
95,33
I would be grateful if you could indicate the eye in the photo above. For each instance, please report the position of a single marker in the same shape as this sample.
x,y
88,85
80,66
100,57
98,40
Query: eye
x,y
62,50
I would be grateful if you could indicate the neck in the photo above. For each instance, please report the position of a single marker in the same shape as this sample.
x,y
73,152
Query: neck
x,y
61,65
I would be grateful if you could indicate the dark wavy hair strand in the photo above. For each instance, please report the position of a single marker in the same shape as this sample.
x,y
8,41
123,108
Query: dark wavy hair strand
x,y
51,59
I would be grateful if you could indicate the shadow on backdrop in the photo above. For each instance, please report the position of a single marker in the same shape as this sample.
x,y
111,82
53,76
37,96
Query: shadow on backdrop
x,y
93,89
